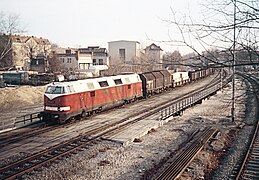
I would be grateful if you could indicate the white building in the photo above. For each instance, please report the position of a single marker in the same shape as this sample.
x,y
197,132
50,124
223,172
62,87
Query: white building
x,y
93,56
124,52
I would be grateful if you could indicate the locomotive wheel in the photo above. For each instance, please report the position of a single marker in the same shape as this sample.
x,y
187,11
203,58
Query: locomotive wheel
x,y
84,114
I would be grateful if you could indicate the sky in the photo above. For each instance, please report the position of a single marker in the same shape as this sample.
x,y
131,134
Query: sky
x,y
82,23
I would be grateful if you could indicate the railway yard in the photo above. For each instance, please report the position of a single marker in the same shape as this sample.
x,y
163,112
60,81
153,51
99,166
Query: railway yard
x,y
184,129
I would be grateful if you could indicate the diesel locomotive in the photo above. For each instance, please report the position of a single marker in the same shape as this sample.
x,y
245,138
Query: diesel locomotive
x,y
65,101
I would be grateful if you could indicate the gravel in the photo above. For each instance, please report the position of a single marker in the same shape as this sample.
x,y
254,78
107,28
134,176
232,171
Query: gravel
x,y
137,160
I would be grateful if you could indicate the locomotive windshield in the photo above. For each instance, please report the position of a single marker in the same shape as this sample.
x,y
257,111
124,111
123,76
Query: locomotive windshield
x,y
55,90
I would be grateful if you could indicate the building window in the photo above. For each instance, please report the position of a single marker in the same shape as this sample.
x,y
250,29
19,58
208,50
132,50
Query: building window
x,y
100,61
94,62
84,65
122,53
68,60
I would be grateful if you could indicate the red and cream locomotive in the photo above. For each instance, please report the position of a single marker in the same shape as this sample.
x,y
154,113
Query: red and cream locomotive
x,y
66,100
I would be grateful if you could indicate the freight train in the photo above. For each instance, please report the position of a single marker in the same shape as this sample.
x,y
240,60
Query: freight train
x,y
65,101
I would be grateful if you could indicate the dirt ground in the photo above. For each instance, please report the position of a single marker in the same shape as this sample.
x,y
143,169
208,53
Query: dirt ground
x,y
20,97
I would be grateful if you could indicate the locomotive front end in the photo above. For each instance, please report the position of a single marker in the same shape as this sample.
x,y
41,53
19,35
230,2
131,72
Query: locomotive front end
x,y
56,107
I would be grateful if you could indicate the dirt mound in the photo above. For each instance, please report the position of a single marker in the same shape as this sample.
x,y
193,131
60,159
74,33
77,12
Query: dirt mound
x,y
14,98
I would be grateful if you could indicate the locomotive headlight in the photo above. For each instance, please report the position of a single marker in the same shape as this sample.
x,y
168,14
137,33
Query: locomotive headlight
x,y
67,108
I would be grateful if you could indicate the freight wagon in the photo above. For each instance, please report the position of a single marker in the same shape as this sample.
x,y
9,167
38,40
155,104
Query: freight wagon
x,y
16,78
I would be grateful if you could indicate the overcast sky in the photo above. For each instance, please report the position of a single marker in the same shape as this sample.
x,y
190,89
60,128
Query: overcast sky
x,y
82,23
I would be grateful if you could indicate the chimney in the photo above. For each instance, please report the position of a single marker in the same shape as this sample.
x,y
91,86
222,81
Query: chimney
x,y
68,51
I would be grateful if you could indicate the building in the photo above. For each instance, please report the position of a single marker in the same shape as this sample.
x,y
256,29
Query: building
x,y
154,54
26,48
39,63
124,52
92,57
68,60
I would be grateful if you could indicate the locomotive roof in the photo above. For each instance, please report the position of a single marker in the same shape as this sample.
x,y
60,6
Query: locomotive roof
x,y
99,83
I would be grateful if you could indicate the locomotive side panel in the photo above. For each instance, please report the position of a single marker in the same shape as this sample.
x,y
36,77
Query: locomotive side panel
x,y
66,100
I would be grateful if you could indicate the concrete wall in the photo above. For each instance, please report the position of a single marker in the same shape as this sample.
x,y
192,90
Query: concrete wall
x,y
68,62
132,52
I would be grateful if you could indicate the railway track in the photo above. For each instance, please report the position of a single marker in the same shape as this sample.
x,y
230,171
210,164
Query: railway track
x,y
183,159
28,164
250,165
249,168
12,137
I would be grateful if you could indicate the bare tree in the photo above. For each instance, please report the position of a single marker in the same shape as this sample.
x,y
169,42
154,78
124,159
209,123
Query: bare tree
x,y
54,63
230,26
9,25
216,31
173,60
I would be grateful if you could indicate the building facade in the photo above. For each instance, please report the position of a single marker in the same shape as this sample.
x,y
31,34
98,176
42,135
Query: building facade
x,y
68,60
28,48
124,52
92,57
154,54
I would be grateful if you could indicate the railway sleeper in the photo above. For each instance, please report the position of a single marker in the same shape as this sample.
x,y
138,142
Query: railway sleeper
x,y
255,165
252,172
253,169
248,176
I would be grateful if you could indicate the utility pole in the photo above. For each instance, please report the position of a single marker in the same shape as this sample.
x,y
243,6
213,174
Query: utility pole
x,y
233,66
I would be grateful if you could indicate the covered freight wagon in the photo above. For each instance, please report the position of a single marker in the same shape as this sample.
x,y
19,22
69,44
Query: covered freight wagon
x,y
155,81
159,81
148,83
167,78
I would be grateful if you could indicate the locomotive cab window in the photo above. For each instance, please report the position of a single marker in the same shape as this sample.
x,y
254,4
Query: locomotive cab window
x,y
55,90
70,89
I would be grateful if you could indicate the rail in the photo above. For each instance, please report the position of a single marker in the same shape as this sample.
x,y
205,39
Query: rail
x,y
250,165
17,169
183,159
